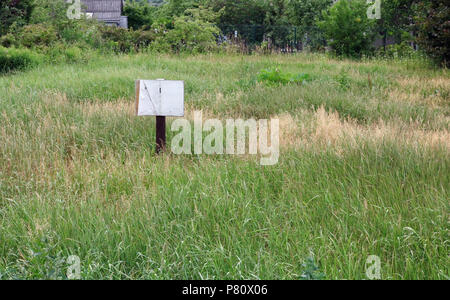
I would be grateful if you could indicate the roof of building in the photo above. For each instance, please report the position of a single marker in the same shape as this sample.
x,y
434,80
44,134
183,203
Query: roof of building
x,y
104,10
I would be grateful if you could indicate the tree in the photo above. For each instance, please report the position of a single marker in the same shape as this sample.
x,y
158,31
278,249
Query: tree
x,y
176,8
49,11
276,21
16,12
139,14
192,32
433,26
244,16
238,12
305,14
396,19
347,28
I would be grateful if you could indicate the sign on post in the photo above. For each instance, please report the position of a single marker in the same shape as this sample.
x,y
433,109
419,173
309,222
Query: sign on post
x,y
160,98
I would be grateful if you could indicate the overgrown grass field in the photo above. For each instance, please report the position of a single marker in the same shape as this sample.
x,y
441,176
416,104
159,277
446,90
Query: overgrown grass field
x,y
364,170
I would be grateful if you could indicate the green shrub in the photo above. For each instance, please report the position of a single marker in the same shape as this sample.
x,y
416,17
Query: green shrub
x,y
8,40
140,14
117,39
73,54
61,52
277,77
12,59
343,79
402,50
37,35
74,31
92,37
348,30
188,35
143,38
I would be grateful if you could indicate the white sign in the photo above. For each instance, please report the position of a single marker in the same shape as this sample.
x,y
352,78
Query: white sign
x,y
160,98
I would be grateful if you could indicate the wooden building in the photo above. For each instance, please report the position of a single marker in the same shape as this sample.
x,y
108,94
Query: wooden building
x,y
107,11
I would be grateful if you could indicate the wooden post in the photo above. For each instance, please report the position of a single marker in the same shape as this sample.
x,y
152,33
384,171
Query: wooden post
x,y
160,134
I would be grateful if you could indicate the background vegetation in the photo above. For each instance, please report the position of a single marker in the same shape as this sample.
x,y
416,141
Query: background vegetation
x,y
199,26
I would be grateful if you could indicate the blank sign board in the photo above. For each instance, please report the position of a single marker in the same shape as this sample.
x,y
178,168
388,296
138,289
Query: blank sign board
x,y
160,98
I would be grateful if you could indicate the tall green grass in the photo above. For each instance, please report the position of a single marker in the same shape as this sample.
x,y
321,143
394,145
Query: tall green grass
x,y
78,176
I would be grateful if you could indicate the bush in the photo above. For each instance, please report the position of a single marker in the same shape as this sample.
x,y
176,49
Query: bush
x,y
61,52
73,54
188,35
140,14
8,40
12,59
143,38
117,39
75,31
348,30
37,35
402,50
433,27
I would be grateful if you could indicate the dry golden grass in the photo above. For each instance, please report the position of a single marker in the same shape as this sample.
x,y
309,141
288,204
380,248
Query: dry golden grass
x,y
312,130
327,129
431,91
418,82
119,107
40,226
289,130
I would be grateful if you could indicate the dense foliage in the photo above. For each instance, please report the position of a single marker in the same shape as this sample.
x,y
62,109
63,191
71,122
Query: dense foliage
x,y
238,25
347,29
433,25
190,33
17,59
139,14
14,13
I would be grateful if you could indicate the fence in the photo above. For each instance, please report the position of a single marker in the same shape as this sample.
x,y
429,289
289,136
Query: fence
x,y
284,38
